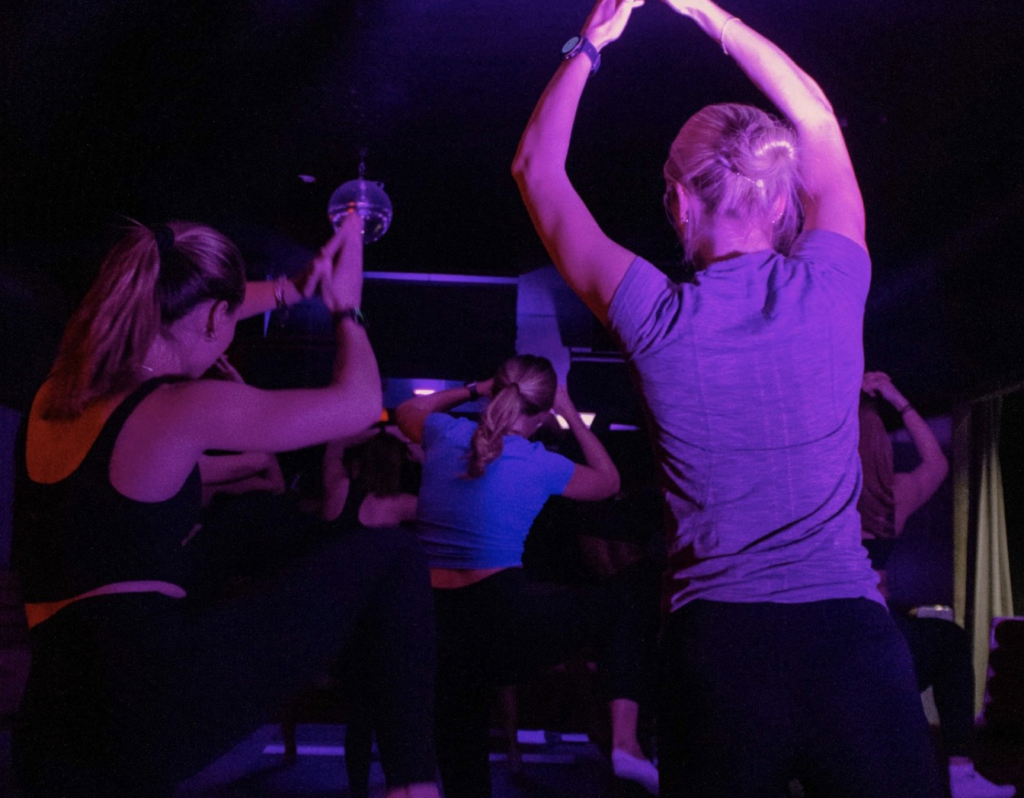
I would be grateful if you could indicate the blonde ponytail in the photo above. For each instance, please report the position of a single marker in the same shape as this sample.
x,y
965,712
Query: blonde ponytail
x,y
741,163
524,386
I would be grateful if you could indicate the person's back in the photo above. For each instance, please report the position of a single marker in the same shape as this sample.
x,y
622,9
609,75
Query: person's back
x,y
778,654
137,681
750,379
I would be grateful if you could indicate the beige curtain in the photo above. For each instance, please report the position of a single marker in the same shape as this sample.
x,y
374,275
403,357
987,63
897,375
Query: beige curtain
x,y
981,559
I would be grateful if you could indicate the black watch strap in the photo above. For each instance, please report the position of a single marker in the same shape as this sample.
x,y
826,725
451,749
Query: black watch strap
x,y
474,394
581,44
350,313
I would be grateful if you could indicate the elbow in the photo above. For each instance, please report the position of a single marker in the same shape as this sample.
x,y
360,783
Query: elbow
x,y
521,170
528,173
612,484
404,418
367,406
371,411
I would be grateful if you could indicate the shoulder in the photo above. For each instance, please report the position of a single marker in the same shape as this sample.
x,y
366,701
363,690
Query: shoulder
x,y
645,305
441,425
538,454
828,252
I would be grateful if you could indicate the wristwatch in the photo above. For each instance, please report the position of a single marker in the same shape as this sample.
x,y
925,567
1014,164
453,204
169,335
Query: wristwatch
x,y
581,44
474,394
350,313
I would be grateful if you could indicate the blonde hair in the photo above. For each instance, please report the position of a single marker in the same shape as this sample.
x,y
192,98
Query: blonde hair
x,y
141,289
740,162
524,386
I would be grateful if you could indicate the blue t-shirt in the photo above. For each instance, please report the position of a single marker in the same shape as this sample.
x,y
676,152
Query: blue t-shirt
x,y
750,381
481,523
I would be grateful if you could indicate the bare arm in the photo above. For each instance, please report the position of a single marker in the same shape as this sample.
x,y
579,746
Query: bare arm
x,y
913,488
831,196
240,473
591,263
412,414
261,296
214,414
598,478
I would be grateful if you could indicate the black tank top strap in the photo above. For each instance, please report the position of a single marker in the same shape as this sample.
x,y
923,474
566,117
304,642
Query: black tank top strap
x,y
103,447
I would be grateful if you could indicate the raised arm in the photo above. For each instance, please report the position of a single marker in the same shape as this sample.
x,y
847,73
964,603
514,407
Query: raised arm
x,y
591,263
265,295
412,414
598,478
213,414
911,489
830,196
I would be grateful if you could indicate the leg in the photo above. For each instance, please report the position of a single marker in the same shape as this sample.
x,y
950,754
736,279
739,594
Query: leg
x,y
941,652
509,702
864,730
463,695
546,623
723,725
243,657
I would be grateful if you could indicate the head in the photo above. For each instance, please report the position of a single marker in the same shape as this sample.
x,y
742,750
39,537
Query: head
x,y
736,164
381,465
521,398
178,284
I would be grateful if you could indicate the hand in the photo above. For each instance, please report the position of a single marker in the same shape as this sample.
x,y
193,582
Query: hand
x,y
608,20
563,404
342,259
878,383
485,388
318,271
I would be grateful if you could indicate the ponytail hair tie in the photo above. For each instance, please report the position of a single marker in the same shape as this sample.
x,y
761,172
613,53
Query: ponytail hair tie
x,y
164,236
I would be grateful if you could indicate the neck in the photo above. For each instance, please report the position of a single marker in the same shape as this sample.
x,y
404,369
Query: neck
x,y
161,360
729,239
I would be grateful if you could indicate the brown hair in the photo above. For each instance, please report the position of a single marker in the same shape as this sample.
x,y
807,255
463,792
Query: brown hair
x,y
877,502
380,471
141,289
741,162
524,386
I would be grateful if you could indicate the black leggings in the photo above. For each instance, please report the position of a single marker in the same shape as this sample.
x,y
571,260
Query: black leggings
x,y
941,652
754,695
130,694
504,628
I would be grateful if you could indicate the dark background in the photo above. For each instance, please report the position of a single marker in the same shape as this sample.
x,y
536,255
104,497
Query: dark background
x,y
211,110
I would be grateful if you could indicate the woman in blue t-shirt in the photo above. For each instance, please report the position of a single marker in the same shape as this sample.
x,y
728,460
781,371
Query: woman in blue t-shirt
x,y
483,485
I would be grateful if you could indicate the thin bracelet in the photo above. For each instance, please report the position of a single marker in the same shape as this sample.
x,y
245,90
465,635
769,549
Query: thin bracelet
x,y
905,408
721,35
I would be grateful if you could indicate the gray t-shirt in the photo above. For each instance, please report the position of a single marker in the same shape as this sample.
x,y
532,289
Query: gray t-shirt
x,y
750,381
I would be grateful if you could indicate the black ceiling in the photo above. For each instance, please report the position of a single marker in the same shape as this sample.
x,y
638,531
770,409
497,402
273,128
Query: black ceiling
x,y
211,111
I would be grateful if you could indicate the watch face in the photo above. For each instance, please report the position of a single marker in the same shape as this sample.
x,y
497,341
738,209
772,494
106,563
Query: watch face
x,y
570,45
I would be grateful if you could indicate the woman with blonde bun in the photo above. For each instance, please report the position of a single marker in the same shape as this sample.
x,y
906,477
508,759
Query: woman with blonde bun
x,y
483,485
137,683
779,659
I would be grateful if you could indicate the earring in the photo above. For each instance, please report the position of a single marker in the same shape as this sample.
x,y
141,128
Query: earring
x,y
211,335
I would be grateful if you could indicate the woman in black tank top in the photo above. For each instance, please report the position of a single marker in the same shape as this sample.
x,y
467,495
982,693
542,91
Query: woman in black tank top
x,y
136,683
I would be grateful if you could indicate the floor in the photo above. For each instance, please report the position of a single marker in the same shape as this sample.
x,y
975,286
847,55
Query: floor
x,y
554,766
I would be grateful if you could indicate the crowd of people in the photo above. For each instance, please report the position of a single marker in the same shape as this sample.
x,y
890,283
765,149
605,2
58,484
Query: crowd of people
x,y
177,593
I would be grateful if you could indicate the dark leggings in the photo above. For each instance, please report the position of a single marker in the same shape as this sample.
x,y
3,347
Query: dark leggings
x,y
754,695
504,628
130,694
941,652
